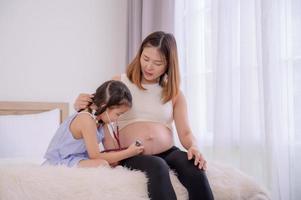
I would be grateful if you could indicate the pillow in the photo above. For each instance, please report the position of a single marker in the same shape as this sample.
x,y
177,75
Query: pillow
x,y
29,135
14,161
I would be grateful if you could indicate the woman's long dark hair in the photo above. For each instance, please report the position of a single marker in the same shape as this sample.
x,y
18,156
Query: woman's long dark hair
x,y
167,46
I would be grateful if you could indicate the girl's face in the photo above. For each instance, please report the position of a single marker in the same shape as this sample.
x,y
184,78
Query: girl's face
x,y
153,65
112,114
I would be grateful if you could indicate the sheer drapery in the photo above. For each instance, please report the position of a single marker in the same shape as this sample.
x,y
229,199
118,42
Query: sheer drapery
x,y
241,75
145,17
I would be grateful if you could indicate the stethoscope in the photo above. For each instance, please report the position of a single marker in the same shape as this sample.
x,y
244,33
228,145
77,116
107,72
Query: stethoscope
x,y
116,135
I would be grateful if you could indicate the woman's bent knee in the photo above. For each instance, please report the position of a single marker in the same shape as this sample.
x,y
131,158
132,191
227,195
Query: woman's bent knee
x,y
159,166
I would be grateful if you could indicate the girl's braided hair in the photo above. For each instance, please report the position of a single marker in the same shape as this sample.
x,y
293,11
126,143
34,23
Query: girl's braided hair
x,y
109,94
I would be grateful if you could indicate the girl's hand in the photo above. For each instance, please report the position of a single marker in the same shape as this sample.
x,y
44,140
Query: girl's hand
x,y
82,101
199,160
114,164
135,150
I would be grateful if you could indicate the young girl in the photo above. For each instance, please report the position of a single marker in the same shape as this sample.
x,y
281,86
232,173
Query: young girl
x,y
76,142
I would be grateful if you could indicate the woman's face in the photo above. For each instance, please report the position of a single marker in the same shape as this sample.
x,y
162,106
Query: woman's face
x,y
153,65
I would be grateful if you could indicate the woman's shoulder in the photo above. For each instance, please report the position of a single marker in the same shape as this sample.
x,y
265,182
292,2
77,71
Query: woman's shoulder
x,y
121,77
117,77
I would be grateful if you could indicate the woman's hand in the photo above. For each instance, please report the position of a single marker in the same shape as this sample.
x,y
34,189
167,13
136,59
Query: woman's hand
x,y
134,150
82,101
199,160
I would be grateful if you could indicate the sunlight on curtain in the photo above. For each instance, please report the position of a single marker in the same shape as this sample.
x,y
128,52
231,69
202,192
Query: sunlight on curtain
x,y
241,74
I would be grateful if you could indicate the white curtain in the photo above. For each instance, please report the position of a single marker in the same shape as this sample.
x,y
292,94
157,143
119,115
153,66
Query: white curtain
x,y
241,75
145,17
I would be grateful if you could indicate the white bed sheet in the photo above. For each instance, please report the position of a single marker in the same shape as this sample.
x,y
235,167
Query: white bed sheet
x,y
23,178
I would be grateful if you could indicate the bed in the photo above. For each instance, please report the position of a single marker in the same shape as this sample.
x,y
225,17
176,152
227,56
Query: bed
x,y
25,131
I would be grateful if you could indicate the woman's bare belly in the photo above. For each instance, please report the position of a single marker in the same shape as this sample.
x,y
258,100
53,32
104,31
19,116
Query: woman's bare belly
x,y
155,137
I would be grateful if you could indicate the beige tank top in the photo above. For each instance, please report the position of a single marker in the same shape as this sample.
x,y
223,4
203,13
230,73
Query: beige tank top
x,y
147,105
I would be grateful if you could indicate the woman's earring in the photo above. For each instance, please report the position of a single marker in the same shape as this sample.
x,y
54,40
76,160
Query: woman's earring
x,y
165,78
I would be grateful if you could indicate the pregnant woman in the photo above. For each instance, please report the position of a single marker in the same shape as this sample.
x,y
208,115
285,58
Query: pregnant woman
x,y
153,79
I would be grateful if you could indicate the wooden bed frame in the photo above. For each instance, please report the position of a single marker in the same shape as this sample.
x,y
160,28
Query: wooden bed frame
x,y
21,108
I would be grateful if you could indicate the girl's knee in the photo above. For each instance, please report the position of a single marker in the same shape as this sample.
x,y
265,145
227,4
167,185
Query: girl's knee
x,y
100,162
93,163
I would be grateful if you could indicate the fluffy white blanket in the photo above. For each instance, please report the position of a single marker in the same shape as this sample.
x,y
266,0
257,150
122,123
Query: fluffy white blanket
x,y
32,182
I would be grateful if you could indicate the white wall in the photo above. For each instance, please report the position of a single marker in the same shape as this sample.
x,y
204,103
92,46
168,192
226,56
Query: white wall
x,y
54,50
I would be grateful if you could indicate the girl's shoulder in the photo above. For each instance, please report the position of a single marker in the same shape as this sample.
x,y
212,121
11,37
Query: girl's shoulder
x,y
82,121
86,115
85,118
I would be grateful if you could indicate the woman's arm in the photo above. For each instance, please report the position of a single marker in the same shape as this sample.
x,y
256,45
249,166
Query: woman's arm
x,y
186,137
83,100
181,121
116,78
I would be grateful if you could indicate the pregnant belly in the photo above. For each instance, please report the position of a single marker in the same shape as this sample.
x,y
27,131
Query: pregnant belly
x,y
155,137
